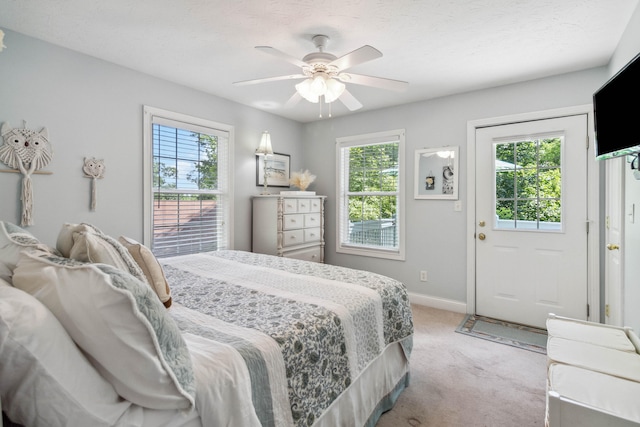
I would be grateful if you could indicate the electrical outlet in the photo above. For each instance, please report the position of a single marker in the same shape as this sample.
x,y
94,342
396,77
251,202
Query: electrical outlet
x,y
423,276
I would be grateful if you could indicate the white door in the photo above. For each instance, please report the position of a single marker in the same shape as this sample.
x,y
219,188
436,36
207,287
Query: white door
x,y
614,232
531,220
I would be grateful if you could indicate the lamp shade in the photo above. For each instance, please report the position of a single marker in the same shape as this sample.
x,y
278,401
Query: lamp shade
x,y
265,145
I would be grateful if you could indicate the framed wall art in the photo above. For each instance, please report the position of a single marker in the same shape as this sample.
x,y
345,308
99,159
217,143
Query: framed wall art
x,y
436,173
278,170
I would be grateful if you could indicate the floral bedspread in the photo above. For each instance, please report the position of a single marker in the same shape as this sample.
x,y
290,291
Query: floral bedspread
x,y
327,323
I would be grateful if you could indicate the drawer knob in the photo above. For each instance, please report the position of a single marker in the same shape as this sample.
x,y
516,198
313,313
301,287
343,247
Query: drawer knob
x,y
293,237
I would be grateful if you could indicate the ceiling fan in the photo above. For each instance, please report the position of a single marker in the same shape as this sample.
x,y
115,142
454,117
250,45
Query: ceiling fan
x,y
325,77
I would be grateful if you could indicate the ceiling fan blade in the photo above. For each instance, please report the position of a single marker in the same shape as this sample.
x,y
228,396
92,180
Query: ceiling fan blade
x,y
282,55
358,56
270,79
293,101
360,79
350,101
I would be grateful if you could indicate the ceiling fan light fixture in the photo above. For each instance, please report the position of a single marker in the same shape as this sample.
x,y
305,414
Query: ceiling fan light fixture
x,y
304,89
318,84
334,90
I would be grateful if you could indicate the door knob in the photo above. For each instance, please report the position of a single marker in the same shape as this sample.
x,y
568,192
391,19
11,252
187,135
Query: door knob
x,y
482,236
613,247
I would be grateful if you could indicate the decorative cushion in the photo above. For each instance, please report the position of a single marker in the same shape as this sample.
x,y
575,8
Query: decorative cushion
x,y
605,393
150,267
609,361
592,333
119,323
14,240
44,378
85,242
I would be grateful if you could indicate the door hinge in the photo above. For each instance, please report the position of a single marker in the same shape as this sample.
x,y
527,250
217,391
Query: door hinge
x,y
587,142
588,312
587,227
607,312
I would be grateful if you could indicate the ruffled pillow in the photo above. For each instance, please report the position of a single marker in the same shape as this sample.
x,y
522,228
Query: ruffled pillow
x,y
87,243
119,323
150,267
14,240
45,380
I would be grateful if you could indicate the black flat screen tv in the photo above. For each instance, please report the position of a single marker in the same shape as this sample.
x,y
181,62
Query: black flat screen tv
x,y
616,107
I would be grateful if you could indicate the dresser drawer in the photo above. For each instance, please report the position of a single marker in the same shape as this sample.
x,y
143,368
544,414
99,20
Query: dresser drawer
x,y
293,237
315,205
304,205
312,234
290,205
308,254
312,220
292,222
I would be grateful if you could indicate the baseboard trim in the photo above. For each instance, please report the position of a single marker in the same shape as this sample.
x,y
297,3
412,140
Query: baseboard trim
x,y
435,302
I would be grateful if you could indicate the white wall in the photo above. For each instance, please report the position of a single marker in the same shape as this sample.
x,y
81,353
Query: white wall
x,y
436,234
628,48
94,108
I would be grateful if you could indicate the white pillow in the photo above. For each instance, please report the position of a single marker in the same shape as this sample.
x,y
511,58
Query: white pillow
x,y
150,267
14,240
119,323
87,243
44,378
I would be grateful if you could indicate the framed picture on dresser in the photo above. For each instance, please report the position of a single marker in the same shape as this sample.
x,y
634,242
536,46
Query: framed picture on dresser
x,y
278,170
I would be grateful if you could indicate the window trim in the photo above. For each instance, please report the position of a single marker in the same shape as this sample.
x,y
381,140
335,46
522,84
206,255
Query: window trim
x,y
147,169
367,139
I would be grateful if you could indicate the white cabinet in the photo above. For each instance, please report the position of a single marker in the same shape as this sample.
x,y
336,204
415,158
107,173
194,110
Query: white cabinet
x,y
289,226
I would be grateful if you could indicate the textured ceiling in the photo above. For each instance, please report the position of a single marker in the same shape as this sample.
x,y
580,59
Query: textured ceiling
x,y
440,47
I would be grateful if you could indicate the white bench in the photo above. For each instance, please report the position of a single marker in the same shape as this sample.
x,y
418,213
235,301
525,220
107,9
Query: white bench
x,y
593,374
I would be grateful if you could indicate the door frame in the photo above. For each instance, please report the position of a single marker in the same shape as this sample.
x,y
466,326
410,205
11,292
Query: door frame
x,y
593,197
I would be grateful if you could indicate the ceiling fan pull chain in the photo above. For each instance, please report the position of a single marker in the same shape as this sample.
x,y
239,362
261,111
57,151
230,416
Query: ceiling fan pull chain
x,y
320,106
330,110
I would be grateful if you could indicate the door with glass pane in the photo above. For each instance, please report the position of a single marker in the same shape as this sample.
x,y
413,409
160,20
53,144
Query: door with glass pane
x,y
531,220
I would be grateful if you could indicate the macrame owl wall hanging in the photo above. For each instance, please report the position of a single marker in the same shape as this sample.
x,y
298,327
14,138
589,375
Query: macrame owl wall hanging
x,y
27,151
93,168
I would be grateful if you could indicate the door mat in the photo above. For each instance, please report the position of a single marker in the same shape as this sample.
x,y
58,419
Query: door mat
x,y
513,334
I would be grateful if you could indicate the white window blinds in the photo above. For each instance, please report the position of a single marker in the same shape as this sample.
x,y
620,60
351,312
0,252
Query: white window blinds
x,y
190,187
370,192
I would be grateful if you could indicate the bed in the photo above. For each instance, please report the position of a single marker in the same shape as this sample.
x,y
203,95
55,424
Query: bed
x,y
227,338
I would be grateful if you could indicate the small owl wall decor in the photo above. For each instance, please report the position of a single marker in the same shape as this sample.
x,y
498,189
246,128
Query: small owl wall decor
x,y
93,168
2,46
27,151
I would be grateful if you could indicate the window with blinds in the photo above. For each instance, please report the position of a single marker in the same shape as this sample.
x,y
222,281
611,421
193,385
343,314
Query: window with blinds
x,y
371,195
190,201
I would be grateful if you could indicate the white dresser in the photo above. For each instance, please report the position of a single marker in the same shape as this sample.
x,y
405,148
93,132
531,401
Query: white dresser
x,y
289,226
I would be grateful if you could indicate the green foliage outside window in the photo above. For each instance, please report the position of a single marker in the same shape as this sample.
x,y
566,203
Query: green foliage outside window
x,y
198,155
373,169
529,180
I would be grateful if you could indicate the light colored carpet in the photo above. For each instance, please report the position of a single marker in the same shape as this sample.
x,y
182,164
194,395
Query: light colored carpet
x,y
459,380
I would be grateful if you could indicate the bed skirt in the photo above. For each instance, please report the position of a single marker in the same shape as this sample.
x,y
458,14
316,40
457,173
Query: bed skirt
x,y
374,392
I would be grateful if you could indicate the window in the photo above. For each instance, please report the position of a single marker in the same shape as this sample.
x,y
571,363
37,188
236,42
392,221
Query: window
x,y
187,178
528,184
371,195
